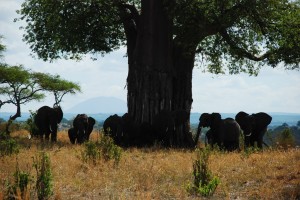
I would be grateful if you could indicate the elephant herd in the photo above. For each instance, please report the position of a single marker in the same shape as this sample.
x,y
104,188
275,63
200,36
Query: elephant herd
x,y
126,132
163,128
47,120
226,132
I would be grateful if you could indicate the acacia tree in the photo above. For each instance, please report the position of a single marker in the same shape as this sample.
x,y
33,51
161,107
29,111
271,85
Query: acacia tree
x,y
163,37
56,85
19,86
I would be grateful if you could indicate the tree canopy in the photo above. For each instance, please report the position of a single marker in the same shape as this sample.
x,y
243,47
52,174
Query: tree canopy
x,y
236,35
56,85
164,38
19,86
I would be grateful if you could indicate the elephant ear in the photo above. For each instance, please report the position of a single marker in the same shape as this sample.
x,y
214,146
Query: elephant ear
x,y
91,121
262,119
241,118
59,113
205,120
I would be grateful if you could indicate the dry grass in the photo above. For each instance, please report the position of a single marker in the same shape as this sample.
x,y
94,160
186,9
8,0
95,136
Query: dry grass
x,y
157,173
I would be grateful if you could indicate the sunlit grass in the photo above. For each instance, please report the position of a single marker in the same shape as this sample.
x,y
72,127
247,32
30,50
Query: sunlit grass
x,y
153,173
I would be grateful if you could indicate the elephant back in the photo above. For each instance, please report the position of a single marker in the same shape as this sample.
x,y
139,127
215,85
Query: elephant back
x,y
42,115
80,120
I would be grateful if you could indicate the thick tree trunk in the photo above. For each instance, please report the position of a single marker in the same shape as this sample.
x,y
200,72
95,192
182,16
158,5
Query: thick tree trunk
x,y
150,71
160,75
182,91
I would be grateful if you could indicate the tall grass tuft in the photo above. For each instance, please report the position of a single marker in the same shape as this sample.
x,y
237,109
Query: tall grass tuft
x,y
19,189
103,149
8,147
44,185
204,182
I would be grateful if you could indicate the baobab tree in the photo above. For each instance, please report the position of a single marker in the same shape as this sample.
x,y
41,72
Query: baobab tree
x,y
163,37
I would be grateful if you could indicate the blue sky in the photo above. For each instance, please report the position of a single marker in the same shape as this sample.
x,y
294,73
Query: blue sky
x,y
273,90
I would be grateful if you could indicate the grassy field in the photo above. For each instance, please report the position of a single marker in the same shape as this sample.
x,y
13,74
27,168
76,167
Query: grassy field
x,y
153,173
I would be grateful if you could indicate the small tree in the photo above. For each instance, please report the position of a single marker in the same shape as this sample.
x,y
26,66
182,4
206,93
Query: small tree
x,y
286,139
20,87
58,86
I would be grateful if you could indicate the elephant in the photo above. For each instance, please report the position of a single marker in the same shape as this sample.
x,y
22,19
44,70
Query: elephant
x,y
46,120
254,127
82,128
113,127
223,132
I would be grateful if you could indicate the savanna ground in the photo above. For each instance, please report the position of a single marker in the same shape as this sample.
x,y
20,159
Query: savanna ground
x,y
154,173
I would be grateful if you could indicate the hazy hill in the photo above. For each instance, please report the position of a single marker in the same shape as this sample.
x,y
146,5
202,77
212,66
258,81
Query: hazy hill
x,y
99,105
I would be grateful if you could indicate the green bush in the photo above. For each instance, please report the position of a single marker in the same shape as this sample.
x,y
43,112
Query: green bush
x,y
30,125
91,152
20,187
8,147
44,185
104,148
109,150
286,139
204,182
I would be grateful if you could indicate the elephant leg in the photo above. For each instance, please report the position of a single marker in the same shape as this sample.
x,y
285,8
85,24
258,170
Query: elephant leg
x,y
72,135
47,135
54,133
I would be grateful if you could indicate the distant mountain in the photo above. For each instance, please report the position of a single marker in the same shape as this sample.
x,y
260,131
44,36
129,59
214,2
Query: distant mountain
x,y
99,105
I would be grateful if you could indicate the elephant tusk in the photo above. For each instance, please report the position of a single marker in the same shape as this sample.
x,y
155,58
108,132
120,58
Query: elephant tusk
x,y
249,134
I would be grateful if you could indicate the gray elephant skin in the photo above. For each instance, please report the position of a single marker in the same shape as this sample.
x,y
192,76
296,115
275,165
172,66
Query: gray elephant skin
x,y
223,132
82,128
112,127
254,127
46,120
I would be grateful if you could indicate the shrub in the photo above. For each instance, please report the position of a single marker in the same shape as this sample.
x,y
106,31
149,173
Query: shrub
x,y
8,147
20,188
105,148
44,185
30,125
109,150
204,182
286,139
91,152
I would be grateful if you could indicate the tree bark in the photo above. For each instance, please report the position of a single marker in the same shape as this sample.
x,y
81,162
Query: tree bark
x,y
160,74
150,69
182,91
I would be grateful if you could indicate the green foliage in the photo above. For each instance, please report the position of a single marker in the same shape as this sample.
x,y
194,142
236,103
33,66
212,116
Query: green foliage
x,y
286,139
44,185
204,183
66,29
8,147
109,150
249,150
56,85
105,148
230,36
20,187
30,126
91,152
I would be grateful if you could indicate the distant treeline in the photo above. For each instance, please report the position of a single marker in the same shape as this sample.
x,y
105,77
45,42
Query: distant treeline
x,y
278,118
